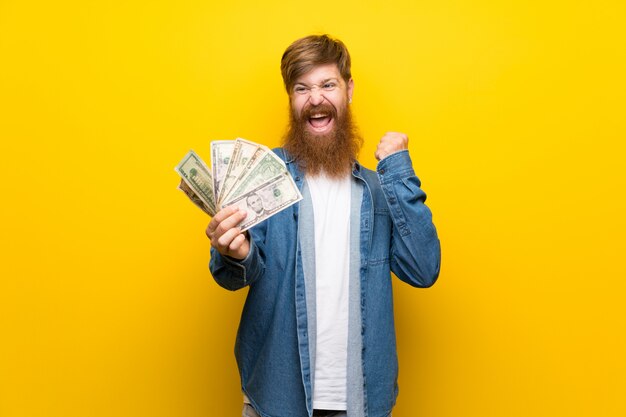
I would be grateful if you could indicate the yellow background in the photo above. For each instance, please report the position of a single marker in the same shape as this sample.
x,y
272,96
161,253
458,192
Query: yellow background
x,y
515,113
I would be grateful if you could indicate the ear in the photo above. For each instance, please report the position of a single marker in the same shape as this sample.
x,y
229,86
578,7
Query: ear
x,y
350,89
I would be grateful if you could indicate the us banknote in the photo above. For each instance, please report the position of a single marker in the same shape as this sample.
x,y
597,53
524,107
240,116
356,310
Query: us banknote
x,y
259,171
243,173
267,199
243,151
198,178
221,152
194,198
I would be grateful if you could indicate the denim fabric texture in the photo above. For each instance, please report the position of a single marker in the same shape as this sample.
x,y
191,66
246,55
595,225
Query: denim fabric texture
x,y
272,345
248,411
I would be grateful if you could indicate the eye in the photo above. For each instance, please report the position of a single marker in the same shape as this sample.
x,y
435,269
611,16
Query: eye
x,y
329,86
300,89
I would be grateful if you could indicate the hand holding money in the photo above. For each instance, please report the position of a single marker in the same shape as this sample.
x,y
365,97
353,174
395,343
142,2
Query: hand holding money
x,y
224,234
243,174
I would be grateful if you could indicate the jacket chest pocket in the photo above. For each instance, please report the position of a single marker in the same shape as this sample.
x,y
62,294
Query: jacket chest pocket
x,y
381,237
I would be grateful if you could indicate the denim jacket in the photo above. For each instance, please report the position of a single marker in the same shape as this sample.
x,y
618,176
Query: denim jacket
x,y
272,346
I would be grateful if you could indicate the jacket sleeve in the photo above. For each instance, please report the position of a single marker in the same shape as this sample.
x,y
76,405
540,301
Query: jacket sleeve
x,y
415,255
234,274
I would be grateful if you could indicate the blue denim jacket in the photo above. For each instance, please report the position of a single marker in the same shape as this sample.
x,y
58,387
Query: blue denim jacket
x,y
396,235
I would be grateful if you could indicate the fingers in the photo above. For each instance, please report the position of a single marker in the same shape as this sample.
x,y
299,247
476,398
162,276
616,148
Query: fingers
x,y
237,243
231,219
223,241
219,217
239,248
391,142
223,232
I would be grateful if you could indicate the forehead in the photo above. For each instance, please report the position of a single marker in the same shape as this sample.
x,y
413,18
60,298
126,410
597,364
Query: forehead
x,y
320,73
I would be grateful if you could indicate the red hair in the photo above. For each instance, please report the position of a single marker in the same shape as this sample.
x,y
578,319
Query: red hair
x,y
306,53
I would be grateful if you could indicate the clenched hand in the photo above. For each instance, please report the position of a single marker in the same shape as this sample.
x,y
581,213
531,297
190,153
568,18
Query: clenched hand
x,y
392,142
224,234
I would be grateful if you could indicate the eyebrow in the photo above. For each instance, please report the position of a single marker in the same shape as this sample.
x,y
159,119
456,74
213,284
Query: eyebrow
x,y
323,81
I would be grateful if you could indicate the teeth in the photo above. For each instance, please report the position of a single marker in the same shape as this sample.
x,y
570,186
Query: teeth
x,y
317,116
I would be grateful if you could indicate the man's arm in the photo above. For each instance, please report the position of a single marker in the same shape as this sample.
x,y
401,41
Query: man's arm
x,y
235,258
415,248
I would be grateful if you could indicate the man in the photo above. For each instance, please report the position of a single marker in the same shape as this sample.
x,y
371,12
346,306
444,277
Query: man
x,y
316,336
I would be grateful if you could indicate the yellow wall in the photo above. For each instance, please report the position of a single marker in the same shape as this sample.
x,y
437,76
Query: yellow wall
x,y
515,113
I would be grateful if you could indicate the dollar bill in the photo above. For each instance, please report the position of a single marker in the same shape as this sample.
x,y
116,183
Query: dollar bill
x,y
248,174
197,176
221,151
257,172
267,199
243,151
185,188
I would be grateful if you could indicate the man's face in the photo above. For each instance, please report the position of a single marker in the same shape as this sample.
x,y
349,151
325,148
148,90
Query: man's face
x,y
255,203
319,97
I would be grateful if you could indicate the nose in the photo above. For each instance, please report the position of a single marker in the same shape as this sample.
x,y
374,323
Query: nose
x,y
316,97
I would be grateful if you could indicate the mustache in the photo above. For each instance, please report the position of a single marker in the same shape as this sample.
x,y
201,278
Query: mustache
x,y
331,153
323,108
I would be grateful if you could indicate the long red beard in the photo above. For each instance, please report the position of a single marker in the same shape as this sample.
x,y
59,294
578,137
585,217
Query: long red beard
x,y
331,154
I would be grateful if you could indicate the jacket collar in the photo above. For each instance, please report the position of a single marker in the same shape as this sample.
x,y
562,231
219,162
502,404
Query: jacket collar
x,y
290,159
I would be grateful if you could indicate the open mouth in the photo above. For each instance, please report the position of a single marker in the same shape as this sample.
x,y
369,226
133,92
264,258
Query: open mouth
x,y
320,121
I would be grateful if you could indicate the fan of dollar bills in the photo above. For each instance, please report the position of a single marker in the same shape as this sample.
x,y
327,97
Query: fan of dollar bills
x,y
244,174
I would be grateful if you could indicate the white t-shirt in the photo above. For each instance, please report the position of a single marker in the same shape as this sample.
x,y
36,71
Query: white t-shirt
x,y
331,210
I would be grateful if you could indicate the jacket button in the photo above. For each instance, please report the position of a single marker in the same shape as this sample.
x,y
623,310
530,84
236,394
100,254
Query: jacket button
x,y
382,171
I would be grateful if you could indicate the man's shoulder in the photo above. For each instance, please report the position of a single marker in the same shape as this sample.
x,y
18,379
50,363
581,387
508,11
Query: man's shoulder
x,y
367,174
279,150
282,154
